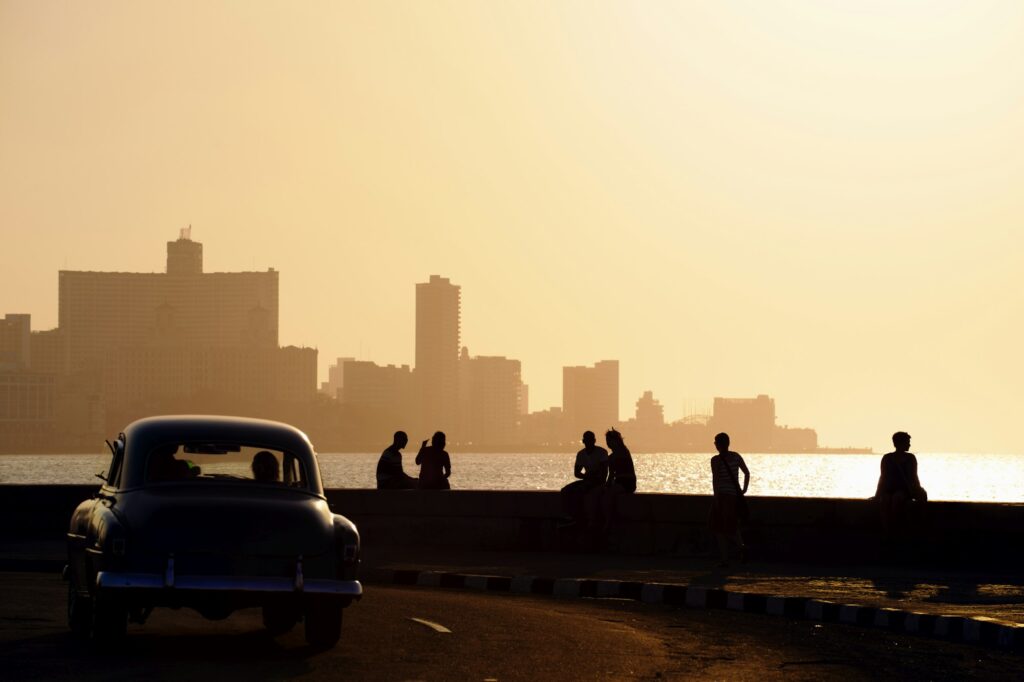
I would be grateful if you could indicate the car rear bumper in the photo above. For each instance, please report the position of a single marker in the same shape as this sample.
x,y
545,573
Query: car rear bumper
x,y
215,583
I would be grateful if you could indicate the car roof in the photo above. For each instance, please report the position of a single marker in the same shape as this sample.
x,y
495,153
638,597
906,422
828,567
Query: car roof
x,y
142,435
217,428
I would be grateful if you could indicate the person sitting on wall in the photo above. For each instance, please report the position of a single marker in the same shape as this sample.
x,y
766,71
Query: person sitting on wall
x,y
390,475
621,474
898,484
579,498
265,468
435,464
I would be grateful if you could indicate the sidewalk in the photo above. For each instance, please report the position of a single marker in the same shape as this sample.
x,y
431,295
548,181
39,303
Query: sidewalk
x,y
986,595
997,597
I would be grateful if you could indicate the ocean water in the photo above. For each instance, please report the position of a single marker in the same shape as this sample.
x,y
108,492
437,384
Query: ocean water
x,y
946,476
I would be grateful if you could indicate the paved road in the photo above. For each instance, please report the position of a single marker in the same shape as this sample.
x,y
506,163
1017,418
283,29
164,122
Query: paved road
x,y
503,637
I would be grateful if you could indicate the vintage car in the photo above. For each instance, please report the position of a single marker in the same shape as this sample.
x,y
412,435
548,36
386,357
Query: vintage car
x,y
214,514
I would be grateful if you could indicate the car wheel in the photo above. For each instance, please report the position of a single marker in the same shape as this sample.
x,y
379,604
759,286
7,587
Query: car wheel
x,y
109,619
323,623
279,619
79,612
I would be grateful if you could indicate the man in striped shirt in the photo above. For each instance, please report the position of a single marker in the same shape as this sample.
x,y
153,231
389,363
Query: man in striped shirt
x,y
728,505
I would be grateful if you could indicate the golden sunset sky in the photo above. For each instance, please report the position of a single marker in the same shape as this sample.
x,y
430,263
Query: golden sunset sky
x,y
822,200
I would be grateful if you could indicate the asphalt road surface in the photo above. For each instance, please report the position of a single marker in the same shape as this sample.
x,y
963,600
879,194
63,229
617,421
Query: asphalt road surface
x,y
420,634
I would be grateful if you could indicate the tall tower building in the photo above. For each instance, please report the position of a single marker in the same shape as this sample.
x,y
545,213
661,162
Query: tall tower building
x,y
184,256
590,397
438,324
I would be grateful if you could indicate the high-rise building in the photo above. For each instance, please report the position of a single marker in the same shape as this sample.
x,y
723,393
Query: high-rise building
x,y
101,312
492,389
183,340
590,396
438,320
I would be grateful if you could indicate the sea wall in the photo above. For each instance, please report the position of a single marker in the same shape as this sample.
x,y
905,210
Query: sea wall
x,y
784,529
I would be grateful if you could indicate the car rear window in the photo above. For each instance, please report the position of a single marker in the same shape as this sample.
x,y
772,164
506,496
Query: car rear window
x,y
224,462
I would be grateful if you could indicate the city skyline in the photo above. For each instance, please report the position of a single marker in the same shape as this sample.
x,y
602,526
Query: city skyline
x,y
813,201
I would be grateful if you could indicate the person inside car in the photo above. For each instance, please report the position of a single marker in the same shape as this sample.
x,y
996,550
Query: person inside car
x,y
164,466
265,468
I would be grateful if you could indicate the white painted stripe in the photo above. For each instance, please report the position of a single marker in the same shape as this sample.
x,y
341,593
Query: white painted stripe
x,y
734,601
652,593
567,587
436,627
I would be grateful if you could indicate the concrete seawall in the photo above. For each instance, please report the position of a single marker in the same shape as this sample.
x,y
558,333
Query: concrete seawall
x,y
783,529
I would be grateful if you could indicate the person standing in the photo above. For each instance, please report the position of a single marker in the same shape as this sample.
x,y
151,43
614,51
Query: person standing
x,y
728,506
435,464
390,474
591,469
898,484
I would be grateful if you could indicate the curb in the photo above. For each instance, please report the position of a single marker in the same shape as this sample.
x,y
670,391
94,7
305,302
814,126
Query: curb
x,y
966,629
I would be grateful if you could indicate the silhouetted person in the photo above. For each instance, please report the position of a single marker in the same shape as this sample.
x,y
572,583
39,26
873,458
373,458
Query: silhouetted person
x,y
390,474
164,466
728,506
435,465
265,468
898,484
621,474
591,469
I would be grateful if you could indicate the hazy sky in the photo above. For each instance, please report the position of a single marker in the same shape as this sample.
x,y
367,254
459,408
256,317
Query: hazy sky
x,y
822,201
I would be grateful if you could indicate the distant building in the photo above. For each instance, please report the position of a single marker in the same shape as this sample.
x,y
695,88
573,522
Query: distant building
x,y
103,312
786,439
750,422
49,351
335,379
590,396
179,341
438,331
546,429
15,341
27,409
492,389
377,401
649,412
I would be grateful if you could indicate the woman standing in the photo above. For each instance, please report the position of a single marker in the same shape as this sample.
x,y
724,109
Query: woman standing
x,y
621,474
435,465
728,507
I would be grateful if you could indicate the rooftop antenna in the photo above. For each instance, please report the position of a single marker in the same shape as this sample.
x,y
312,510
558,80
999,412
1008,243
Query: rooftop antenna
x,y
186,233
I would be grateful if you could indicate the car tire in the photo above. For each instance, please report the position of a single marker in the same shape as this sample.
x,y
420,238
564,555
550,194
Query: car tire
x,y
323,623
79,612
279,619
109,619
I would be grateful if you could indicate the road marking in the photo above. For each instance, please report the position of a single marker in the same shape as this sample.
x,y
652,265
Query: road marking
x,y
436,627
